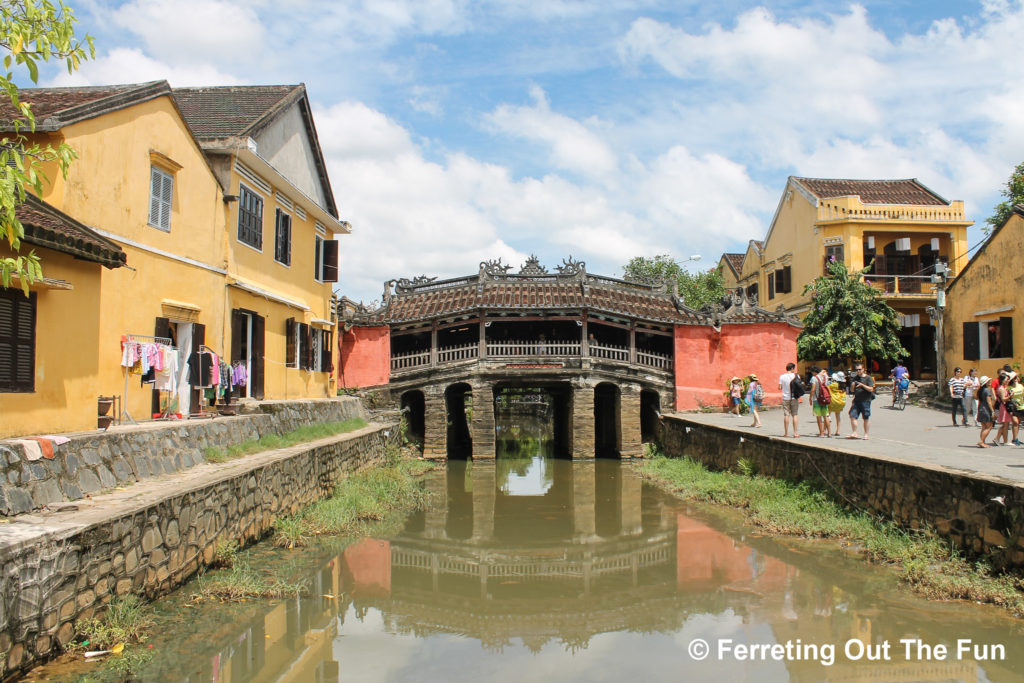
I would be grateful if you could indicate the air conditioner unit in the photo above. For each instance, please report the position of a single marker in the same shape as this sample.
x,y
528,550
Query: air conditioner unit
x,y
903,244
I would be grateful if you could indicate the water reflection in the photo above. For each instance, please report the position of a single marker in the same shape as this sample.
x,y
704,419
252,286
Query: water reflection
x,y
580,571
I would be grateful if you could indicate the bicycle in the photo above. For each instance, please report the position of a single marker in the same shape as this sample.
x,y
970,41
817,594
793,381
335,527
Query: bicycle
x,y
899,393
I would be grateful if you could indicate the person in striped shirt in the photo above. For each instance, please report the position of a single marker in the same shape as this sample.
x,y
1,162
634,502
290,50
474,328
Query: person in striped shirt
x,y
956,391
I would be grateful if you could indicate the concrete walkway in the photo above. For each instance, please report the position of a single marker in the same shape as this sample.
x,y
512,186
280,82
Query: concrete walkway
x,y
914,435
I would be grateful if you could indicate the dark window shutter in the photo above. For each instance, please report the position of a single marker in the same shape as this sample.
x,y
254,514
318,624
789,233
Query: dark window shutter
x,y
237,330
282,237
17,341
326,351
771,285
198,339
787,275
972,349
304,346
258,346
1006,336
330,267
318,257
289,343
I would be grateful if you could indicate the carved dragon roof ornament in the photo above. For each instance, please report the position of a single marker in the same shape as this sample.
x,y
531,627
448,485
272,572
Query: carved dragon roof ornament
x,y
571,267
405,285
533,267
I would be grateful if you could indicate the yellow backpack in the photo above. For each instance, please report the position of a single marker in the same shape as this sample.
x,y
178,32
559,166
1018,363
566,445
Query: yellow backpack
x,y
838,396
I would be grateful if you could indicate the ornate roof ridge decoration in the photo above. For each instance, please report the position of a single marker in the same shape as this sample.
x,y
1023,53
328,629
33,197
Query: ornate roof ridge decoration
x,y
533,267
737,307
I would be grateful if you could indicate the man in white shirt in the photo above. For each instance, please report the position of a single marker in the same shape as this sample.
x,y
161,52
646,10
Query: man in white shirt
x,y
790,405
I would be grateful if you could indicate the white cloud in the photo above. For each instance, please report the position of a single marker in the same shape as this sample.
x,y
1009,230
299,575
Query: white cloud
x,y
130,65
195,31
572,145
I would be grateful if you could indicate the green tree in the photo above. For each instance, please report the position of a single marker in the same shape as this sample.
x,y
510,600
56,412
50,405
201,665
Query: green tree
x,y
696,289
1014,193
31,31
848,319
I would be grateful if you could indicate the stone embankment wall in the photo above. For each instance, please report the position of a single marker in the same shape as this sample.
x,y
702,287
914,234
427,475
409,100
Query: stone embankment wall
x,y
980,515
95,461
59,567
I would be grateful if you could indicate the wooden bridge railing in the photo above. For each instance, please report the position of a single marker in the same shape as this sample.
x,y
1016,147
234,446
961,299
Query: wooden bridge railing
x,y
528,349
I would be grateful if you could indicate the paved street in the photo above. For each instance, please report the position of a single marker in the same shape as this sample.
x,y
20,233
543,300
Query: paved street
x,y
920,435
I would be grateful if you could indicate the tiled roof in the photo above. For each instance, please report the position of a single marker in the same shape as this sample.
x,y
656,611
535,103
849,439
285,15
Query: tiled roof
x,y
232,111
548,293
909,191
47,226
58,107
735,260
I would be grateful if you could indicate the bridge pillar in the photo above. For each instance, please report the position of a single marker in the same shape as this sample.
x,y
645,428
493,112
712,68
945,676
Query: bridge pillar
x,y
482,427
435,437
629,415
484,485
582,421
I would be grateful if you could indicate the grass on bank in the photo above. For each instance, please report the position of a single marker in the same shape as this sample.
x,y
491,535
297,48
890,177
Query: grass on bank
x,y
216,454
931,566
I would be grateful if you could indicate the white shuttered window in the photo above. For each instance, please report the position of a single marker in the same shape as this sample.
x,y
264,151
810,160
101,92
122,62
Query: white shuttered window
x,y
161,192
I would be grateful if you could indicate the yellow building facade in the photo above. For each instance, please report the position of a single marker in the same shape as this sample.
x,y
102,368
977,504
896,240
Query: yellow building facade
x,y
899,228
147,182
983,304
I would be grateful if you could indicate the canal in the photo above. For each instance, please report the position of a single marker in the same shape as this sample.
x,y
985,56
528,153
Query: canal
x,y
545,568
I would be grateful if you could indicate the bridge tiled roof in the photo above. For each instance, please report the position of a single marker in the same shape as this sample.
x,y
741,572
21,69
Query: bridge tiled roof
x,y
573,289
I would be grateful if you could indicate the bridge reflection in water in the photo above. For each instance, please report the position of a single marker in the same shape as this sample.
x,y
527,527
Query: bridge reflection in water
x,y
555,568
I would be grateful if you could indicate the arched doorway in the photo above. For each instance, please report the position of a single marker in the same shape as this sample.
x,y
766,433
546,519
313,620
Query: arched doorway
x,y
458,401
650,408
607,430
414,412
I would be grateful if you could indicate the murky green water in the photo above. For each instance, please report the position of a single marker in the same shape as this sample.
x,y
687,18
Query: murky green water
x,y
543,569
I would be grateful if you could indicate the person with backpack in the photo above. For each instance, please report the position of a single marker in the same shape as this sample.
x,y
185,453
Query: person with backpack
x,y
863,387
837,388
755,397
792,388
820,400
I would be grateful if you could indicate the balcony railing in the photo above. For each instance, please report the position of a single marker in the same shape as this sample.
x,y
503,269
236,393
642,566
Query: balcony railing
x,y
536,349
902,284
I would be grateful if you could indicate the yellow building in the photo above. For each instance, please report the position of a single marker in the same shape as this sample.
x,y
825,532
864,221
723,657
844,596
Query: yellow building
x,y
981,303
158,175
898,227
49,354
730,266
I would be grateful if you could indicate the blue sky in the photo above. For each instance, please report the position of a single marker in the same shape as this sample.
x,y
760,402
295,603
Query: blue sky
x,y
460,130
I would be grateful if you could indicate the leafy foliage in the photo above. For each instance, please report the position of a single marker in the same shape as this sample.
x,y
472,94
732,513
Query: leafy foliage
x,y
1014,193
848,319
696,289
31,31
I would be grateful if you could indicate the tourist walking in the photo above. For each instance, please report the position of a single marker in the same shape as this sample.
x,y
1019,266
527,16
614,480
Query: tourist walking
x,y
1015,406
1002,411
736,394
956,392
971,386
863,387
790,404
837,387
821,397
755,397
986,409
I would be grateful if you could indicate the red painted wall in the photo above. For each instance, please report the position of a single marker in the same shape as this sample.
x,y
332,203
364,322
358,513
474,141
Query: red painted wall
x,y
365,357
706,360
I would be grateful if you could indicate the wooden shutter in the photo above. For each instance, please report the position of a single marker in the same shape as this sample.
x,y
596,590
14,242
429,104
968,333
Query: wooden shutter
x,y
155,184
17,341
1006,336
198,339
787,275
258,347
318,258
304,347
326,351
289,344
330,265
771,285
972,349
237,330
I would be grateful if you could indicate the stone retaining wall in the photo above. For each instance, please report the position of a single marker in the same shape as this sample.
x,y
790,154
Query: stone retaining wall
x,y
57,572
981,515
95,461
